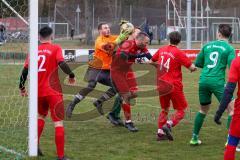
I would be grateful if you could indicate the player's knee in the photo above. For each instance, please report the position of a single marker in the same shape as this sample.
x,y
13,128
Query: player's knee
x,y
204,109
58,124
230,108
134,95
92,85
165,111
111,92
126,98
41,116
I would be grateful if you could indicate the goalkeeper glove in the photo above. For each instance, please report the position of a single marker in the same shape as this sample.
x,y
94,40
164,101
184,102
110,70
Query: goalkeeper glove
x,y
122,37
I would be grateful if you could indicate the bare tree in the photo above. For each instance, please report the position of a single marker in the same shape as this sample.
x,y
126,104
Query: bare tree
x,y
88,21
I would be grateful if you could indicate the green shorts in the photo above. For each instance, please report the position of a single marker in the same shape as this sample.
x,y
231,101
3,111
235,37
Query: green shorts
x,y
206,89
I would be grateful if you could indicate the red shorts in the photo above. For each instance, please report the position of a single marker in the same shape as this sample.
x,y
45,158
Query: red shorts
x,y
178,100
124,82
55,104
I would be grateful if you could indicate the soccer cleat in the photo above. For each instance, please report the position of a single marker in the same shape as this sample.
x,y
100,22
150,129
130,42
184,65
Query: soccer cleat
x,y
70,109
99,107
72,105
195,142
112,119
115,121
168,133
161,137
64,158
40,153
130,126
120,122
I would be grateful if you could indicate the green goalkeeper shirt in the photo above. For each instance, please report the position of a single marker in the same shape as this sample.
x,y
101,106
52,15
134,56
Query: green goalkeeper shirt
x,y
213,59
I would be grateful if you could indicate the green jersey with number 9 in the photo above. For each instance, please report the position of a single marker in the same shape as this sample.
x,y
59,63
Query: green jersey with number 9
x,y
214,57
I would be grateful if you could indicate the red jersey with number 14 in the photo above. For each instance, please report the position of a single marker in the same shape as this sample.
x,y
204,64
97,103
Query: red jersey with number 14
x,y
170,59
49,55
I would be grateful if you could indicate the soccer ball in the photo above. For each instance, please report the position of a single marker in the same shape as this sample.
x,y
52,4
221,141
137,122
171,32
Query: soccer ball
x,y
127,27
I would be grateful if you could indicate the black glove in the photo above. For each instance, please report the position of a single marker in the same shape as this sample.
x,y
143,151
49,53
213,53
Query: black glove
x,y
217,118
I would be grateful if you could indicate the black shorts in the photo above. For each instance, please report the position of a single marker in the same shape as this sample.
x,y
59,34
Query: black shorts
x,y
98,75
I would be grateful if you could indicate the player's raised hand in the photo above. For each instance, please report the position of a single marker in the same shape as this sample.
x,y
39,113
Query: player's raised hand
x,y
23,92
71,81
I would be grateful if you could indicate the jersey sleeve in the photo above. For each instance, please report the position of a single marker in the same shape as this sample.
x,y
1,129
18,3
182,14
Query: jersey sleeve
x,y
26,63
233,72
156,56
184,60
200,59
59,55
231,56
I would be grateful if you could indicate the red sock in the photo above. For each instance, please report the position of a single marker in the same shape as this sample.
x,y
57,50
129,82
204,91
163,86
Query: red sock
x,y
41,124
127,111
229,153
177,117
162,119
59,140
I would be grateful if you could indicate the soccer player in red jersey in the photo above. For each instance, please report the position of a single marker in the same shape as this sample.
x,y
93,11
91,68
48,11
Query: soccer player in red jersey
x,y
169,60
49,89
234,131
122,74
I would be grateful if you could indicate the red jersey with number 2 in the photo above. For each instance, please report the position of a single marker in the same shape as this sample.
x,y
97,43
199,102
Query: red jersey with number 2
x,y
170,59
49,55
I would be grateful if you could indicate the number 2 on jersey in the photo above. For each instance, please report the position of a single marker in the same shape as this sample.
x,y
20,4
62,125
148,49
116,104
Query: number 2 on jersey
x,y
166,64
214,58
42,59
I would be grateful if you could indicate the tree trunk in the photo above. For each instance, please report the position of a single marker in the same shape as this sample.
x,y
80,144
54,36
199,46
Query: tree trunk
x,y
88,21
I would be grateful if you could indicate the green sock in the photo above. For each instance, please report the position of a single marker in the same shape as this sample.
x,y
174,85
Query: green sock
x,y
198,124
117,107
229,121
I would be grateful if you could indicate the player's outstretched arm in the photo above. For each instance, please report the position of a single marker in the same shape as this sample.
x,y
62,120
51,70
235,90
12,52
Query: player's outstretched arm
x,y
200,59
23,78
155,64
226,99
140,57
66,69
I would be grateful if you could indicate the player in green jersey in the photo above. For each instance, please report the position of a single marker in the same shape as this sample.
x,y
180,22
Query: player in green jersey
x,y
214,57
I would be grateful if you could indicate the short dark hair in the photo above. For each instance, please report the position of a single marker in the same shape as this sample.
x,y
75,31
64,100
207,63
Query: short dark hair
x,y
175,37
141,35
137,27
45,32
225,30
101,24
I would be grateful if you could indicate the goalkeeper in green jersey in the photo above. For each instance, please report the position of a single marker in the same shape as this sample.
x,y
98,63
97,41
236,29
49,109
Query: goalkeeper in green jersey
x,y
214,57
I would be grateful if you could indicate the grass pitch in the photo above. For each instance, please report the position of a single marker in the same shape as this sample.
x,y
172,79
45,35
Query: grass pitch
x,y
92,137
98,139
